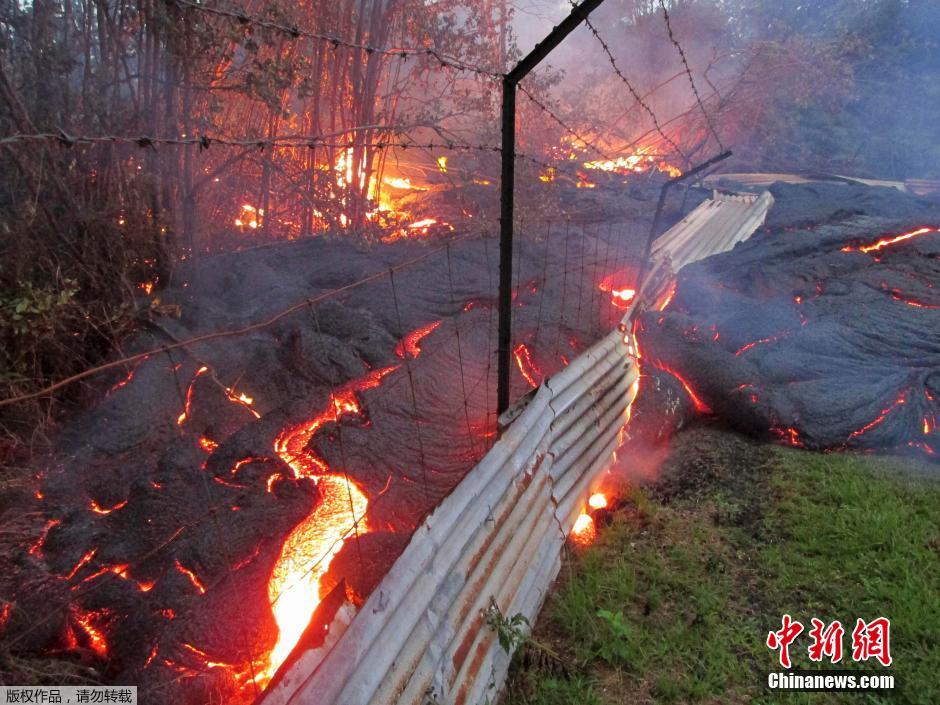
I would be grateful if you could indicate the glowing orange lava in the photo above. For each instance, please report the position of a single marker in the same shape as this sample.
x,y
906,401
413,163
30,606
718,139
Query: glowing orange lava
x,y
191,576
888,241
188,401
90,624
699,405
294,585
526,366
763,341
98,509
410,343
902,399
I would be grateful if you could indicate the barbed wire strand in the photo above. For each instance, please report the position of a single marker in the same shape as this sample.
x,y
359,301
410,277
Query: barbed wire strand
x,y
295,32
688,71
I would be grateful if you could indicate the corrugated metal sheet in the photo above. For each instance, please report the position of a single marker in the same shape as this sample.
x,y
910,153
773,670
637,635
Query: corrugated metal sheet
x,y
422,636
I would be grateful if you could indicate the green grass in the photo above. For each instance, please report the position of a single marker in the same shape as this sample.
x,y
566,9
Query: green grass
x,y
673,602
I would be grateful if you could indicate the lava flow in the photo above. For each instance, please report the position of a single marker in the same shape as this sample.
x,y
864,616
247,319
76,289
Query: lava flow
x,y
294,585
888,241
524,362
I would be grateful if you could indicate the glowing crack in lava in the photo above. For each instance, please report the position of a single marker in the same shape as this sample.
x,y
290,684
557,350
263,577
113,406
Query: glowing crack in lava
x,y
409,345
888,241
294,585
526,366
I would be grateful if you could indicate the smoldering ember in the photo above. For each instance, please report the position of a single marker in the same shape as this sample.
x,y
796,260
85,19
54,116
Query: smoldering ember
x,y
408,352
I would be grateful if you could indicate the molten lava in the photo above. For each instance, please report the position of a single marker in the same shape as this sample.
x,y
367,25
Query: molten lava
x,y
699,405
524,362
410,343
888,241
188,400
305,557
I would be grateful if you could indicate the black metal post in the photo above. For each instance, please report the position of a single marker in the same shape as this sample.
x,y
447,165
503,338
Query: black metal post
x,y
510,80
506,203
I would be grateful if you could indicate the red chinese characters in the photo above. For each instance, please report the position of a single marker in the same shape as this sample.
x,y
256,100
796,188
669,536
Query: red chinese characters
x,y
782,639
872,640
826,642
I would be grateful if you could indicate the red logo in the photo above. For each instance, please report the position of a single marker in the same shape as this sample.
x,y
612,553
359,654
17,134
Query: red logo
x,y
782,639
870,640
826,642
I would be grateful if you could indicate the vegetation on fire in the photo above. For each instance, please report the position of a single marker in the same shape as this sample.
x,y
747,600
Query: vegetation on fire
x,y
674,601
814,85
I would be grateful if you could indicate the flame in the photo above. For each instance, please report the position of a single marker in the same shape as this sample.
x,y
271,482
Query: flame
x,y
250,217
888,241
442,164
207,444
583,532
294,586
526,366
402,183
621,298
242,399
81,562
598,500
641,160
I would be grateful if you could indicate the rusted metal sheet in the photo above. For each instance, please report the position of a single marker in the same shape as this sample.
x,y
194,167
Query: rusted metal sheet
x,y
422,636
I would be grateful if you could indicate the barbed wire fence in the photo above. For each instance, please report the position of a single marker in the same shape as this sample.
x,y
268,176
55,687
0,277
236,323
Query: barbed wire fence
x,y
560,268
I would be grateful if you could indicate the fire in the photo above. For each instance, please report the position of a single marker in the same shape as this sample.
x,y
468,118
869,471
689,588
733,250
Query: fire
x,y
442,164
207,444
621,298
583,532
661,305
640,161
409,344
526,366
402,183
249,217
888,241
598,500
294,585
242,399
81,563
